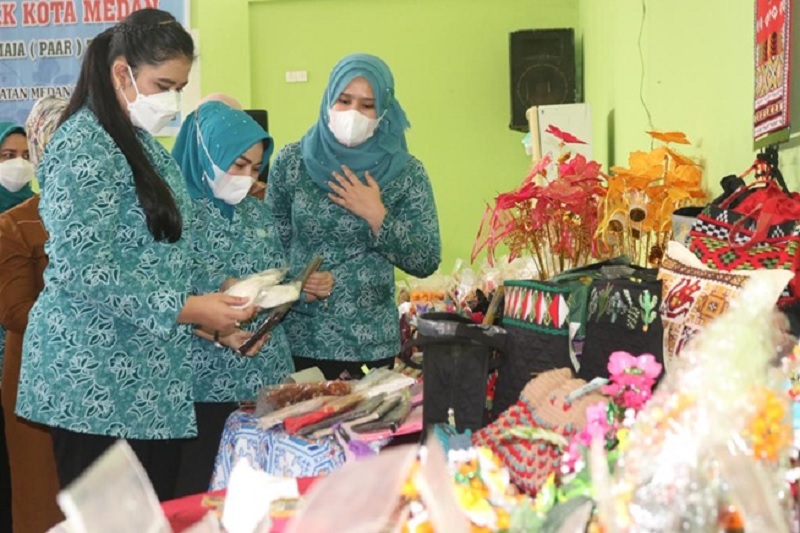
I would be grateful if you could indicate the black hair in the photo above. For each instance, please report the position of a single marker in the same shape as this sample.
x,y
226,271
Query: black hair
x,y
145,37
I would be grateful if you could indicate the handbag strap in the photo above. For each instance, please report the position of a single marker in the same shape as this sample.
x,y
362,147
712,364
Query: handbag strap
x,y
463,334
766,214
747,189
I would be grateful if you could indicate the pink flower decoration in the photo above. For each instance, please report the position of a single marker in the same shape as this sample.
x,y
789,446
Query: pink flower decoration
x,y
620,362
572,455
649,365
635,399
612,389
625,363
632,379
596,421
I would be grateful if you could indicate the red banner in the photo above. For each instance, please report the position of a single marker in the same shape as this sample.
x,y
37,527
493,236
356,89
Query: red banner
x,y
772,66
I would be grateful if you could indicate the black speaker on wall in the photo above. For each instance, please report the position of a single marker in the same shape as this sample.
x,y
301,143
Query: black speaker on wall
x,y
262,117
542,71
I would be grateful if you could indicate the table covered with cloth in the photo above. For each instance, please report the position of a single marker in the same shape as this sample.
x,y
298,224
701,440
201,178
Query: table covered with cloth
x,y
280,454
272,450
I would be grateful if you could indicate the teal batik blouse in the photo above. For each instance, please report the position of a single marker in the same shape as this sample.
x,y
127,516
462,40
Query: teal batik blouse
x,y
103,353
359,321
246,244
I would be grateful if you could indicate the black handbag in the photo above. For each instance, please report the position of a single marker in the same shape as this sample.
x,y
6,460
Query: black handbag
x,y
457,358
622,315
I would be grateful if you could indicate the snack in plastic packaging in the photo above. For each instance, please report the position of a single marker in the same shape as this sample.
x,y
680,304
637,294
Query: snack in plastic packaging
x,y
275,397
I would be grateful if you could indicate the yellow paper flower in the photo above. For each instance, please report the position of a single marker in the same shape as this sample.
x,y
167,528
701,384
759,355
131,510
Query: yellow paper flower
x,y
768,430
636,214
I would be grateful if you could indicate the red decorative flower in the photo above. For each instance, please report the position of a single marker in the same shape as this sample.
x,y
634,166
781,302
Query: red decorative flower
x,y
563,136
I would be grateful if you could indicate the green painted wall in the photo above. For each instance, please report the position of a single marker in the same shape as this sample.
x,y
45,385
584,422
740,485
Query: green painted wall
x,y
450,60
698,78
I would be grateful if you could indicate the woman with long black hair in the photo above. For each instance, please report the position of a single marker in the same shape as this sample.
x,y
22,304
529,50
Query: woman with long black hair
x,y
106,352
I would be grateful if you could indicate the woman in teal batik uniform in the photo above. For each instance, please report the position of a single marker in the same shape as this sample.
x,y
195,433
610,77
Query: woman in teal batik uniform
x,y
350,192
221,151
107,346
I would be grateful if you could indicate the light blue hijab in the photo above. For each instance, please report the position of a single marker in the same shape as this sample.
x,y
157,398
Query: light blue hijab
x,y
227,133
385,153
10,199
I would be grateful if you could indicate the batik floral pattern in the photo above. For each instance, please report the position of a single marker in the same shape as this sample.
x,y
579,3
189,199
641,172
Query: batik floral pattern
x,y
234,249
358,322
103,353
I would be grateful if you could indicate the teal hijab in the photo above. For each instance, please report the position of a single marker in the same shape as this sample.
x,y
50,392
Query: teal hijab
x,y
227,134
9,199
385,153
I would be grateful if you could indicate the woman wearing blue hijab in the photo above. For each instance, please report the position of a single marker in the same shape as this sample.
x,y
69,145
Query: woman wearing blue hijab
x,y
221,151
351,192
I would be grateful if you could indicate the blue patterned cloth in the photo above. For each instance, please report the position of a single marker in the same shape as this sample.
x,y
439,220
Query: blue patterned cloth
x,y
246,244
273,451
103,353
358,322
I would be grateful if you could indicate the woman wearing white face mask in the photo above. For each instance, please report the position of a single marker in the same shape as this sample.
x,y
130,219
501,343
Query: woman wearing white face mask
x,y
350,192
221,151
16,172
106,352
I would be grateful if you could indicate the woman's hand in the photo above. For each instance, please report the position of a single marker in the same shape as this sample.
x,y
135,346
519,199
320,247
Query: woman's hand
x,y
237,337
319,286
364,201
233,339
214,311
258,190
228,283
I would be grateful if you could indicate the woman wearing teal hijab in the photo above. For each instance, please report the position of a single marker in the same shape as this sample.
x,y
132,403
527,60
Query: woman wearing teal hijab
x,y
351,192
220,151
16,172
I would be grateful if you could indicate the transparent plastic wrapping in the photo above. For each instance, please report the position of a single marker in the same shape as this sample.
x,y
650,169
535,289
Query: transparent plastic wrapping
x,y
253,286
356,500
276,295
715,438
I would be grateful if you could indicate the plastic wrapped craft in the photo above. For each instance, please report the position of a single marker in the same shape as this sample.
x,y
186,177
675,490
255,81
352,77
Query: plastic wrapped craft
x,y
715,435
252,286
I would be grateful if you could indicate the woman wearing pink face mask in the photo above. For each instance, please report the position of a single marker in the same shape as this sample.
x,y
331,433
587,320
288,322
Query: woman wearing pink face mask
x,y
351,192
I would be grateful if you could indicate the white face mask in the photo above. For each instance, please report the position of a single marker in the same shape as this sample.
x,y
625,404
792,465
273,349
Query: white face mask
x,y
15,173
153,111
230,188
350,127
